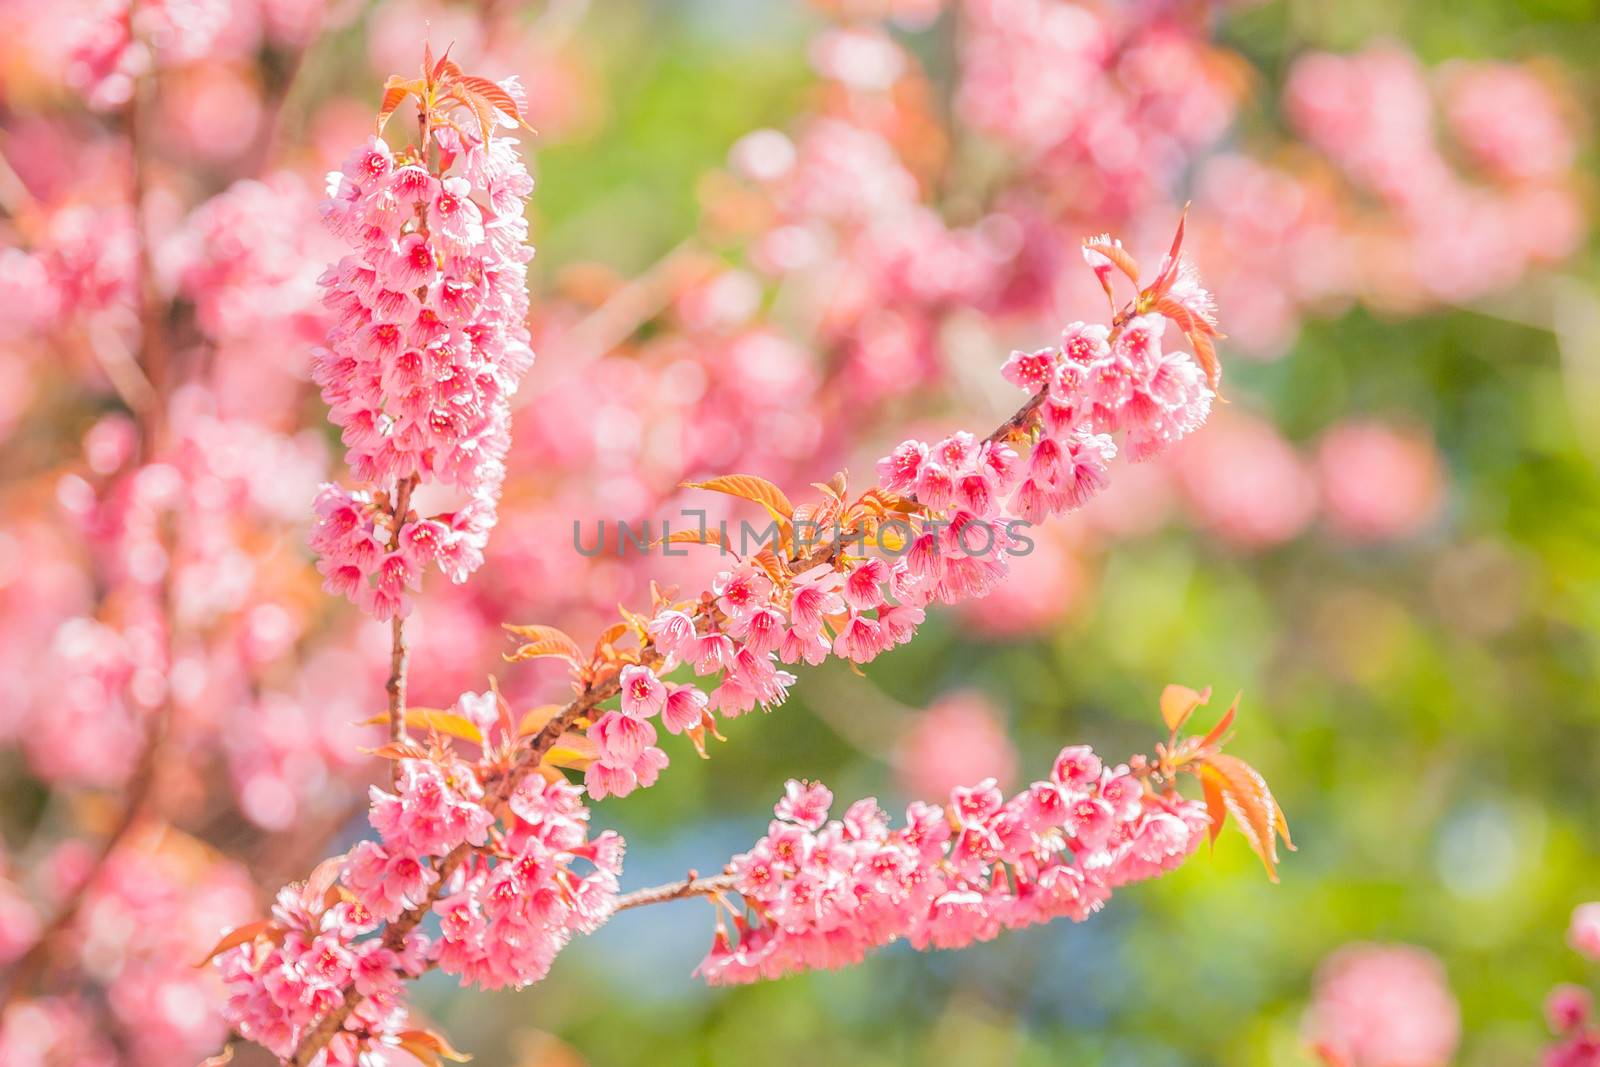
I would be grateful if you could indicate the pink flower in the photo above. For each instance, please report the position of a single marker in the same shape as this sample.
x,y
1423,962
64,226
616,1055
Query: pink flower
x,y
859,641
643,695
621,738
1567,1008
805,803
1384,1006
1379,483
684,708
1584,932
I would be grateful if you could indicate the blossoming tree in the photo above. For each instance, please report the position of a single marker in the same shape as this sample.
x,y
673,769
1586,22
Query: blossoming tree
x,y
193,721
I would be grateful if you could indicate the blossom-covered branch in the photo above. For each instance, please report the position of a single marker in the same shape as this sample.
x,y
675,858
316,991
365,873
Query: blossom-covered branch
x,y
497,847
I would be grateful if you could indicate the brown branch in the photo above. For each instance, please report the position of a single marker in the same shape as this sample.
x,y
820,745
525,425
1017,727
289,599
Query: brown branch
x,y
692,886
399,652
500,785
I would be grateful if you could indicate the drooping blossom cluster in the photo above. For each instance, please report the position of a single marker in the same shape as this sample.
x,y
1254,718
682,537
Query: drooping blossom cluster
x,y
502,886
427,348
1383,1006
823,893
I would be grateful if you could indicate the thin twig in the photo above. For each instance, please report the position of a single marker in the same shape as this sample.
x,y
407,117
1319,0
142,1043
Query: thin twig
x,y
399,652
692,886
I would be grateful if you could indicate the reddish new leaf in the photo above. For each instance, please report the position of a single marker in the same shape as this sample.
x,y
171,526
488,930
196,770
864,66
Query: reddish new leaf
x,y
750,487
494,95
430,1047
395,90
1223,723
1178,703
240,935
543,641
444,722
1252,805
1211,782
1119,257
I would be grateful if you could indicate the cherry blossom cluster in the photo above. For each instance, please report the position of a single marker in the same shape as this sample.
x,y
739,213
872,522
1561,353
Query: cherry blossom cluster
x,y
504,890
1099,380
1569,1009
822,893
427,348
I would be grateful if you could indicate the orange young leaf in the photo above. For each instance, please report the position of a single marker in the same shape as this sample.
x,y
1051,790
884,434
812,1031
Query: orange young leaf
x,y
1119,257
1206,353
1178,703
572,750
240,935
429,1047
493,94
445,65
444,722
223,1057
535,720
398,750
543,641
1211,781
316,892
750,487
1251,803
395,90
1216,732
709,536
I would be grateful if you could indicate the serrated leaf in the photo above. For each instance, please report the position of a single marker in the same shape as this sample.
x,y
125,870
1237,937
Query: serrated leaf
x,y
1250,802
430,1047
750,487
1178,703
444,722
492,94
572,750
1206,353
398,750
1223,723
543,641
711,535
239,935
1119,257
535,720
1211,782
395,90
